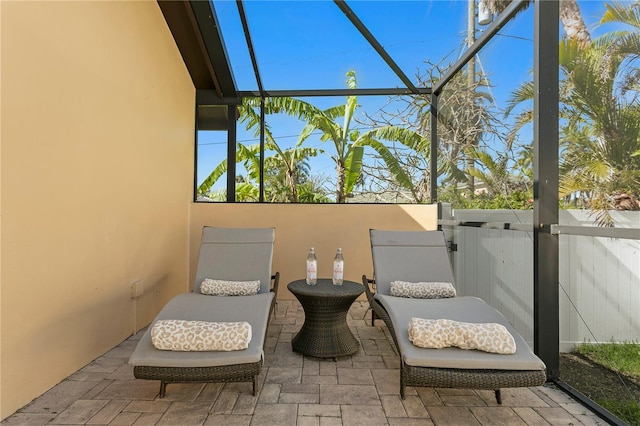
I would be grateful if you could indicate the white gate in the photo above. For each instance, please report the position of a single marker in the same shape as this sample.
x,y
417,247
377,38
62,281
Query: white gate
x,y
599,277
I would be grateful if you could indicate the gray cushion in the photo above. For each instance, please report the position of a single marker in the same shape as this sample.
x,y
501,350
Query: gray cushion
x,y
467,309
235,254
198,307
412,256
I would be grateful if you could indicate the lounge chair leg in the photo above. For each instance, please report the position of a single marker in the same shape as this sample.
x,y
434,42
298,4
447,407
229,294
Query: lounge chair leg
x,y
373,317
163,388
499,396
255,384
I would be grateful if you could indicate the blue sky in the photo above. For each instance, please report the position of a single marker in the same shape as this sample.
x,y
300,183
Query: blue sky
x,y
311,45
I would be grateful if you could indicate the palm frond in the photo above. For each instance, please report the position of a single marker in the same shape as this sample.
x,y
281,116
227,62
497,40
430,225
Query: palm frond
x,y
521,94
213,177
616,12
407,137
395,168
353,168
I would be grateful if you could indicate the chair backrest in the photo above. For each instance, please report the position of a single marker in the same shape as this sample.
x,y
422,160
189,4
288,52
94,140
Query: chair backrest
x,y
413,256
236,254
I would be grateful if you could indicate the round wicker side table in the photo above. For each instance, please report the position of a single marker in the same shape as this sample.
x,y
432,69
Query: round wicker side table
x,y
325,333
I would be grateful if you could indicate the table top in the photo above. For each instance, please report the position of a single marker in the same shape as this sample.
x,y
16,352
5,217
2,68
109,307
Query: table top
x,y
325,288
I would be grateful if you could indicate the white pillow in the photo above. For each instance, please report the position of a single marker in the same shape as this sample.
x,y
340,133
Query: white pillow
x,y
422,290
229,288
444,333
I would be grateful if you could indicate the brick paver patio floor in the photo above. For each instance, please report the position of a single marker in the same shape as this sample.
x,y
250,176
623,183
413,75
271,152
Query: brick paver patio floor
x,y
362,389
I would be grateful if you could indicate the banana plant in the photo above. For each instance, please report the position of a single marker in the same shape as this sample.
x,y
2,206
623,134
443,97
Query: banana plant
x,y
246,188
349,144
294,161
347,152
291,160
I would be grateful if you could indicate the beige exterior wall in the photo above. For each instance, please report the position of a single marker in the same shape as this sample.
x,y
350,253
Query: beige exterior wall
x,y
96,172
325,227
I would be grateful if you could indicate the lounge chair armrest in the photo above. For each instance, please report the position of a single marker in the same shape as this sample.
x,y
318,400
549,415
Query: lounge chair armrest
x,y
275,278
368,283
275,281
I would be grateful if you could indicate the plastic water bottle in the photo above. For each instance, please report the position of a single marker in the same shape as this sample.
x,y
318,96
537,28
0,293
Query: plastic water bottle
x,y
338,268
312,267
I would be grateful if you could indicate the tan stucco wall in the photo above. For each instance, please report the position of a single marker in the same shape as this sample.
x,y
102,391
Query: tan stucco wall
x,y
96,173
324,227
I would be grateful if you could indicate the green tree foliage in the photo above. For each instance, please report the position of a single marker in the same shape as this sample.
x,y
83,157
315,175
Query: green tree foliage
x,y
467,117
347,144
246,190
287,168
600,128
600,136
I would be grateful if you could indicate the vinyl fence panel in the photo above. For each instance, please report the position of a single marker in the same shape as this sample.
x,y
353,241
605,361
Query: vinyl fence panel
x,y
599,276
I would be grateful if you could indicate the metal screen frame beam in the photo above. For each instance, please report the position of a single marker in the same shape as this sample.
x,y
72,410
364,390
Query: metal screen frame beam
x,y
215,49
210,97
486,36
350,14
338,92
546,279
231,153
433,153
252,53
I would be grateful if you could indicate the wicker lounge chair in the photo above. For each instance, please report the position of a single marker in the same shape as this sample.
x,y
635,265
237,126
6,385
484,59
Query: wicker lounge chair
x,y
418,256
233,254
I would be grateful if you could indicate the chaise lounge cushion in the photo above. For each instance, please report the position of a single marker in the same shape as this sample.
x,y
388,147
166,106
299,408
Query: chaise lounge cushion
x,y
198,307
466,309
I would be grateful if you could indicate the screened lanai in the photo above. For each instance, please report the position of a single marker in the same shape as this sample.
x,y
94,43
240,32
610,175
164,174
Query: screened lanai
x,y
237,51
199,35
338,117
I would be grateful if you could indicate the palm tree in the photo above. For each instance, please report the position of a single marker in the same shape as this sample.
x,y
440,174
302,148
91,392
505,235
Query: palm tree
x,y
285,169
294,161
601,159
348,154
313,190
570,15
348,143
627,42
468,114
282,185
288,177
497,175
246,187
601,120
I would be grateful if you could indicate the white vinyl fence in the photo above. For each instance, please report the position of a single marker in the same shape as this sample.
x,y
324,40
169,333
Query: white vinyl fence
x,y
599,276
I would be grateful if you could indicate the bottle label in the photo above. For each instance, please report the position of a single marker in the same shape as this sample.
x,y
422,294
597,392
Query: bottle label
x,y
312,270
338,270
